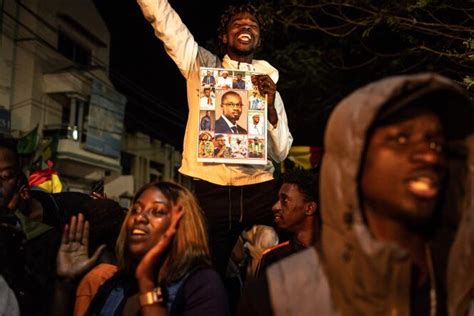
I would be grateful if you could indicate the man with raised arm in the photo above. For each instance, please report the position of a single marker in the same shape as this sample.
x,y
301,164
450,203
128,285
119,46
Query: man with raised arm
x,y
232,196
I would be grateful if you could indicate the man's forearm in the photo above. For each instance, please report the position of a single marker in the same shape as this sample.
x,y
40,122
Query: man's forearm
x,y
168,27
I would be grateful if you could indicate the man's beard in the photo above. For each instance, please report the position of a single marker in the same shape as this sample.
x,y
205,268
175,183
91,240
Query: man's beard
x,y
240,52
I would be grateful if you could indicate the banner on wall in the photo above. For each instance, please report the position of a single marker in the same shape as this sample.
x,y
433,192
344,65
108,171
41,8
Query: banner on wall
x,y
105,120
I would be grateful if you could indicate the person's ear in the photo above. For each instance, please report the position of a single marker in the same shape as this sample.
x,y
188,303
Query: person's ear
x,y
24,192
224,39
311,208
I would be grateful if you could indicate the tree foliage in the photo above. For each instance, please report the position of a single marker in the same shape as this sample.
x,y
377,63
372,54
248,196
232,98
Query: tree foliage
x,y
325,49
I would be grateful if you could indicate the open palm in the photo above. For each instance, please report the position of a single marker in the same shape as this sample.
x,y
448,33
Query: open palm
x,y
73,255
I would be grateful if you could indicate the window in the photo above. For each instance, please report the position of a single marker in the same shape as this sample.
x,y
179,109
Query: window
x,y
126,163
73,50
156,171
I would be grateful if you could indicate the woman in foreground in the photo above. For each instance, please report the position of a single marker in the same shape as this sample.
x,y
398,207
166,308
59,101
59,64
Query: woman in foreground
x,y
164,264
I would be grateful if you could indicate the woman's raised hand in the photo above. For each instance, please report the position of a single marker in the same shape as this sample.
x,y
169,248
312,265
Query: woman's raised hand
x,y
145,269
73,255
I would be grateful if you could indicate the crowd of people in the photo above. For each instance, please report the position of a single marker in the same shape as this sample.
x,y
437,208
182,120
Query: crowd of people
x,y
385,228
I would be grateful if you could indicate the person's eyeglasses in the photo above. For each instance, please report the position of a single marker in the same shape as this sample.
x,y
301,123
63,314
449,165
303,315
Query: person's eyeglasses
x,y
234,105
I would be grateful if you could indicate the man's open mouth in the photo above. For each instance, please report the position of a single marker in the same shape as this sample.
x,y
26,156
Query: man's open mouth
x,y
424,187
244,38
277,217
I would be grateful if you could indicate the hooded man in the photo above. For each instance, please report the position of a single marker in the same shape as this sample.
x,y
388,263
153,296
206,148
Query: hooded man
x,y
396,190
233,197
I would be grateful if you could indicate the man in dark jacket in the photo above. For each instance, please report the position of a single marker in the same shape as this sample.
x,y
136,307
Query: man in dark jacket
x,y
33,278
396,208
296,212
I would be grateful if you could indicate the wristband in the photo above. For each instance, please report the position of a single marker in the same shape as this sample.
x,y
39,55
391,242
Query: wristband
x,y
152,297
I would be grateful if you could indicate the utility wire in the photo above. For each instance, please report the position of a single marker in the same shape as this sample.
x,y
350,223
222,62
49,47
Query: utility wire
x,y
140,92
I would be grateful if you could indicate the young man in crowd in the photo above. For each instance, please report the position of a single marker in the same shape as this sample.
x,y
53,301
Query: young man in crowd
x,y
34,277
296,212
396,206
233,197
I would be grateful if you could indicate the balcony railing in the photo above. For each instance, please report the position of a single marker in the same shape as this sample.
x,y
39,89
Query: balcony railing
x,y
63,131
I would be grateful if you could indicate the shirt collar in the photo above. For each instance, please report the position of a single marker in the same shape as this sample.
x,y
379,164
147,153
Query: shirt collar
x,y
256,66
229,123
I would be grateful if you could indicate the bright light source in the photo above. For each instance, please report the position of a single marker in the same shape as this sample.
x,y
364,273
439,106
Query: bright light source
x,y
75,134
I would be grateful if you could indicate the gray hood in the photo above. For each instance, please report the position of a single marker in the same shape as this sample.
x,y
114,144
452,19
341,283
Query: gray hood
x,y
368,277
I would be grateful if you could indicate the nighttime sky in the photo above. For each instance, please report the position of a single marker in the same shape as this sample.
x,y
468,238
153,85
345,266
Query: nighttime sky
x,y
156,91
142,71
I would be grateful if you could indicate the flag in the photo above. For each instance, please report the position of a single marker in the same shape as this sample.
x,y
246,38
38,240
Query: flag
x,y
306,157
28,143
46,179
49,148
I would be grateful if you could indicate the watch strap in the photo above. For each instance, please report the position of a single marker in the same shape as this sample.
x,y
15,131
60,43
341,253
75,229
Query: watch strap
x,y
151,297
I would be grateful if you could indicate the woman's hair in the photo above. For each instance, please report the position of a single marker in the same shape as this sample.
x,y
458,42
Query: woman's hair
x,y
189,248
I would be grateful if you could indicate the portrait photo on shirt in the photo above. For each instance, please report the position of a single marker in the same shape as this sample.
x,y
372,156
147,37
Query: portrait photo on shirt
x,y
233,105
256,100
225,79
256,147
206,120
206,145
256,123
225,110
222,149
240,80
239,146
207,98
208,78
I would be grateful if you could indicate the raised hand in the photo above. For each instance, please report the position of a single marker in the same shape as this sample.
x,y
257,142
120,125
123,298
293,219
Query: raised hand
x,y
73,254
266,86
145,269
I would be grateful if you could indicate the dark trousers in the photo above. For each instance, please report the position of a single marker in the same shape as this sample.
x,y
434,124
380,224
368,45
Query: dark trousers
x,y
229,210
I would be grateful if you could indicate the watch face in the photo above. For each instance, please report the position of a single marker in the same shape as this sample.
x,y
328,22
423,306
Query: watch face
x,y
151,297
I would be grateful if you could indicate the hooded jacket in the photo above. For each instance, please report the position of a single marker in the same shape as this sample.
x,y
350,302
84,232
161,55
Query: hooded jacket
x,y
351,273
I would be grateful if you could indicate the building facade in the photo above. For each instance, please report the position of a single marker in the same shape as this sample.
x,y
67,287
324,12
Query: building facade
x,y
54,76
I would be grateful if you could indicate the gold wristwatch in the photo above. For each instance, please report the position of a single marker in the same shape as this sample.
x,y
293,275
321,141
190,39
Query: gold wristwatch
x,y
152,297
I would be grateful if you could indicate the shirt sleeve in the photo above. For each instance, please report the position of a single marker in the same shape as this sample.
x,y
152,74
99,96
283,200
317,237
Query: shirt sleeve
x,y
177,39
89,286
280,138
